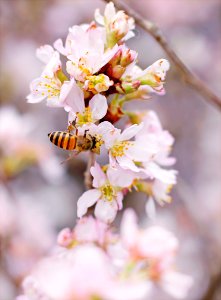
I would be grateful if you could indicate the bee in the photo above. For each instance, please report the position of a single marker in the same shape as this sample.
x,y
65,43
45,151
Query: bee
x,y
69,141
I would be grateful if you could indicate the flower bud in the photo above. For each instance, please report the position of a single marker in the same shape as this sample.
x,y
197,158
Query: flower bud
x,y
127,87
65,237
117,24
127,56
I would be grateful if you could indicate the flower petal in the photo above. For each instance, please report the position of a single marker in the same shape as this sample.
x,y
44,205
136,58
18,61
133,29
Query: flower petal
x,y
151,208
120,198
129,228
120,177
72,97
126,163
98,175
176,284
98,105
58,45
106,211
44,53
130,132
88,199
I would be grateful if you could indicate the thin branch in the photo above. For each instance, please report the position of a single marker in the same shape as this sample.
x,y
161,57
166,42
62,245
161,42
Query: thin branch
x,y
156,33
214,286
87,174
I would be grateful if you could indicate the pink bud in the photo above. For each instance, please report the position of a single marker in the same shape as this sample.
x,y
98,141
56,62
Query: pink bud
x,y
65,237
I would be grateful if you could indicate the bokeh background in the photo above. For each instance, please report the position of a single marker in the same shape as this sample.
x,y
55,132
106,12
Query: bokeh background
x,y
38,194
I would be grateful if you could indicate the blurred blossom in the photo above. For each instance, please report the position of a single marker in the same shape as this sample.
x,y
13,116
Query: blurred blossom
x,y
145,262
25,233
19,149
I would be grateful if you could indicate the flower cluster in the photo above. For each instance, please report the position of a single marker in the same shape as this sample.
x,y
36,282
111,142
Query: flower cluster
x,y
95,263
99,76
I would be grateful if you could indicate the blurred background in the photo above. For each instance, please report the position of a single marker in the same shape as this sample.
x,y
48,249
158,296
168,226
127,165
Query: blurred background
x,y
38,194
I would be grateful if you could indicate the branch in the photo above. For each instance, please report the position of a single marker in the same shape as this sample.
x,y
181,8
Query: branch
x,y
156,33
87,174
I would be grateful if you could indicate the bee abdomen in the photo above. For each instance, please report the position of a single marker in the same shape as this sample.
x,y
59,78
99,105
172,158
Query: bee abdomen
x,y
62,139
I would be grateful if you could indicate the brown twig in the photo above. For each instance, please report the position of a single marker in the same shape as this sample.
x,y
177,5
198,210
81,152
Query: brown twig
x,y
87,174
156,33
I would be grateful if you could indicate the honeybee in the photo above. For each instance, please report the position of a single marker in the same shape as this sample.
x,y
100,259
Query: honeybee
x,y
69,141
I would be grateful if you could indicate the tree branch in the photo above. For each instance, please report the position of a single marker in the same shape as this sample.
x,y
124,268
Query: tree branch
x,y
87,174
156,33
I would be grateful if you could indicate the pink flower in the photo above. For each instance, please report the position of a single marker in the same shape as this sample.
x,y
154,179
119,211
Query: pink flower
x,y
85,49
122,150
153,133
117,24
107,193
48,85
70,275
75,105
87,230
154,249
151,79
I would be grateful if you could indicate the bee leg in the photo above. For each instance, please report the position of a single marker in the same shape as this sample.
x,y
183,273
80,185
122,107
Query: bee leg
x,y
85,133
72,125
72,155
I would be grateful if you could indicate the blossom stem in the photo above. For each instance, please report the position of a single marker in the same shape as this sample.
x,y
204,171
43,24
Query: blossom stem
x,y
87,173
191,79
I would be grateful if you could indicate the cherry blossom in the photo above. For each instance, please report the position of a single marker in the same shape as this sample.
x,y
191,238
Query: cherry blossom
x,y
117,24
82,115
85,50
91,260
156,248
87,230
107,193
75,279
124,152
151,79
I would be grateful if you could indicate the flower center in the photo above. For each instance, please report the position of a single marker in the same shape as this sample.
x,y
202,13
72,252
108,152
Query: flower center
x,y
82,65
49,86
119,148
85,117
98,83
108,192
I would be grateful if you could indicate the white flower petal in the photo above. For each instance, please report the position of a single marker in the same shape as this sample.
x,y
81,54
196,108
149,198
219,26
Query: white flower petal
x,y
150,208
109,11
31,98
126,163
139,152
98,175
98,105
176,284
44,53
106,211
98,17
88,199
120,198
129,227
166,176
58,45
120,177
130,132
72,97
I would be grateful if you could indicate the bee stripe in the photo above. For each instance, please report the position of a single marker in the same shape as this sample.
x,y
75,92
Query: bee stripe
x,y
51,136
55,135
64,141
60,136
71,142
